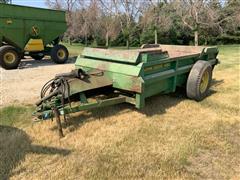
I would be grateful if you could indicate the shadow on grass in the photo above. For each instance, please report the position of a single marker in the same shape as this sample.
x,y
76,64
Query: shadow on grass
x,y
30,63
14,145
216,82
155,105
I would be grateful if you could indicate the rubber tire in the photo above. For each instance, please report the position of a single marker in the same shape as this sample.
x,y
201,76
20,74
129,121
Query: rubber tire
x,y
194,80
37,57
7,48
54,52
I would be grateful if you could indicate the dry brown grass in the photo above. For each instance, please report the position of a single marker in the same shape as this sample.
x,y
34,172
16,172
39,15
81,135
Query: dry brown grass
x,y
173,138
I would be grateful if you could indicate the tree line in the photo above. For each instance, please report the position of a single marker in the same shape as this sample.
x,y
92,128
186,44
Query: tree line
x,y
134,22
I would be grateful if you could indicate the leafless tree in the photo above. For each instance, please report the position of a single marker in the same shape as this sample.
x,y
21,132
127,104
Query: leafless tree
x,y
156,15
127,11
107,18
92,19
192,13
231,15
197,14
87,20
55,4
109,28
109,21
69,6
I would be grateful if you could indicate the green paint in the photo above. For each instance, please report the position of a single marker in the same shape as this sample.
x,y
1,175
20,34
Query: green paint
x,y
142,74
114,67
16,23
91,105
131,56
83,98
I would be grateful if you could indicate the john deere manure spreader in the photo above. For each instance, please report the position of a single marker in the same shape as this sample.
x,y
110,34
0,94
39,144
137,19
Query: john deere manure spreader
x,y
30,31
106,77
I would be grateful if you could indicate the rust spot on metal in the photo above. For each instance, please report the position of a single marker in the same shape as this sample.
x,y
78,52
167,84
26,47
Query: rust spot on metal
x,y
136,85
102,66
178,51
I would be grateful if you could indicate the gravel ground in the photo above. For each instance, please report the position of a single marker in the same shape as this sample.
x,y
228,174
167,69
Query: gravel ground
x,y
23,85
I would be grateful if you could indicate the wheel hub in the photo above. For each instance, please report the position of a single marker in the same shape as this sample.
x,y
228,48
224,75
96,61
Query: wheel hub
x,y
61,54
9,57
204,82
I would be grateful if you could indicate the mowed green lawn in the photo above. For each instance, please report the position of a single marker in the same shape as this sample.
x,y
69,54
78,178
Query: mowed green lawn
x,y
172,138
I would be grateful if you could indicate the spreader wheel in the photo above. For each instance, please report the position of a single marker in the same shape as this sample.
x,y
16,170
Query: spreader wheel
x,y
199,80
59,54
9,57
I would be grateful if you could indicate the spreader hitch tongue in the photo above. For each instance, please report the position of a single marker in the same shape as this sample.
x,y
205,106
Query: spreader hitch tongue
x,y
58,85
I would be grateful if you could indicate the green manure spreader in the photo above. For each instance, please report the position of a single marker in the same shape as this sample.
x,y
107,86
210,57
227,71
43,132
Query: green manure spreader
x,y
105,77
30,31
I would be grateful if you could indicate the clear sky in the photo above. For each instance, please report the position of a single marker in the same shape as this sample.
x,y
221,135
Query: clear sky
x,y
33,3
